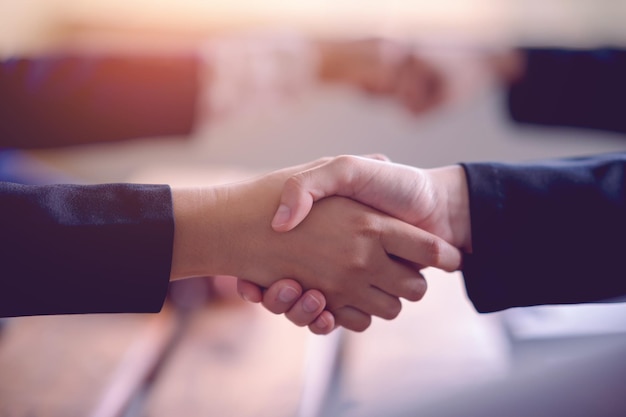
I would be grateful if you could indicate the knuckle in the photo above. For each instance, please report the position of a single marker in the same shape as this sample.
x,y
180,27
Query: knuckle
x,y
363,256
366,226
295,182
357,258
434,251
345,163
358,263
324,159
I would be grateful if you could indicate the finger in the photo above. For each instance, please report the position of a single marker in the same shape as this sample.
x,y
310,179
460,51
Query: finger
x,y
374,301
352,319
377,302
249,291
418,246
298,195
282,295
307,308
323,324
403,281
339,176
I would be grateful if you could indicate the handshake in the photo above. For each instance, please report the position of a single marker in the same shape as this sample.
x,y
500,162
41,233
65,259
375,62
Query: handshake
x,y
329,243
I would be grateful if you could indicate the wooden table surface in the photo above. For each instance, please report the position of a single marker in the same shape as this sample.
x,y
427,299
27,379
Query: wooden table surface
x,y
64,366
229,358
225,359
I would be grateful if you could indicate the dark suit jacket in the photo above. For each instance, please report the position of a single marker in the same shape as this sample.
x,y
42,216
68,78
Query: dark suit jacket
x,y
549,232
553,232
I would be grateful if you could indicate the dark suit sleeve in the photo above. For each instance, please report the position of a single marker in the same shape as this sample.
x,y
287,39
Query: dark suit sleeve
x,y
547,233
67,100
577,88
84,249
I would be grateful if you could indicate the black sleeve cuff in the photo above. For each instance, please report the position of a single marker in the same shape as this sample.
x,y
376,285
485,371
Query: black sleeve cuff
x,y
546,233
85,249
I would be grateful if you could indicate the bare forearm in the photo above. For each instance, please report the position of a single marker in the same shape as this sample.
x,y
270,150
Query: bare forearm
x,y
192,220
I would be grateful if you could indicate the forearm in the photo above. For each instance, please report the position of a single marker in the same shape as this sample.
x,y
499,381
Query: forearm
x,y
202,237
578,88
84,249
550,232
73,99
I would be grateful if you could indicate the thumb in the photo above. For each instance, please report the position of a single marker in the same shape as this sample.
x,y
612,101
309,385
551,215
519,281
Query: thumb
x,y
339,176
296,200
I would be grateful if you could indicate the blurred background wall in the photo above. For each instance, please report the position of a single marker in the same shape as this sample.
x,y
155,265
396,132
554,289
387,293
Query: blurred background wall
x,y
35,24
330,121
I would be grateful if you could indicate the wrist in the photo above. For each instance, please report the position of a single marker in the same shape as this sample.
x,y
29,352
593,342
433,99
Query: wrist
x,y
218,231
197,215
451,182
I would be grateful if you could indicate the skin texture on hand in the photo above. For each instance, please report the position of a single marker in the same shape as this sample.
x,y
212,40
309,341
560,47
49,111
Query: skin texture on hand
x,y
342,248
319,321
435,200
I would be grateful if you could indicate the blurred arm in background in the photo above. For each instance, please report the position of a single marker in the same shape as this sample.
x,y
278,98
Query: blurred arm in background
x,y
77,97
583,88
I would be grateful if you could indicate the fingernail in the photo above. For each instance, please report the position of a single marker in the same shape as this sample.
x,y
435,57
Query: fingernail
x,y
321,322
287,295
310,304
282,215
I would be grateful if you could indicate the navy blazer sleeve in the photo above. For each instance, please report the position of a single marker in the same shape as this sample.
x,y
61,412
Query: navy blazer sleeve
x,y
552,232
84,249
577,88
66,100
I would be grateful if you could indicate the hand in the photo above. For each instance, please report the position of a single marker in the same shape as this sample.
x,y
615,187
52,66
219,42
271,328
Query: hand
x,y
420,78
385,68
301,308
435,200
286,296
342,248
